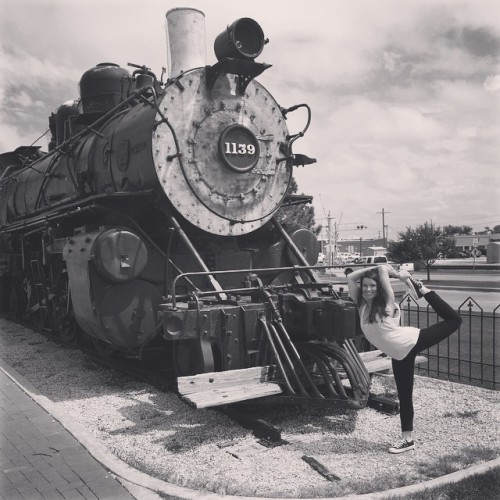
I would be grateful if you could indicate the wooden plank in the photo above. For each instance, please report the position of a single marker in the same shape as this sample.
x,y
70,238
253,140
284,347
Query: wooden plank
x,y
319,467
420,359
377,365
366,356
217,397
221,380
382,364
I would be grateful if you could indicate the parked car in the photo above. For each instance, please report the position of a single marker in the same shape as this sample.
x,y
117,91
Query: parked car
x,y
370,260
407,266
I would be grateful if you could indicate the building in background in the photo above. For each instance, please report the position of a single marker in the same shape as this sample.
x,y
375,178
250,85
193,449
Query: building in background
x,y
467,242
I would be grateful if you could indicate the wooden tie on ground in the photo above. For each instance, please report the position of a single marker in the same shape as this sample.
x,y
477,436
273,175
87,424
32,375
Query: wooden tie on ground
x,y
377,362
221,388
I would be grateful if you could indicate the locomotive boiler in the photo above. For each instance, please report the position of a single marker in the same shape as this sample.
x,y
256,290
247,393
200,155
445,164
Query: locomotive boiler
x,y
150,226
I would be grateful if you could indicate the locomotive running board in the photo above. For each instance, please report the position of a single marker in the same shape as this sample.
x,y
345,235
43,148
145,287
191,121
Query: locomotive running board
x,y
221,388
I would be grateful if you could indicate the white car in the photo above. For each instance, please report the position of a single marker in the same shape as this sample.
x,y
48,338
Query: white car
x,y
407,266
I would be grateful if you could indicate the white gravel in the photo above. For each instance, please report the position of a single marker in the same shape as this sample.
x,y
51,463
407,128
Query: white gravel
x,y
202,449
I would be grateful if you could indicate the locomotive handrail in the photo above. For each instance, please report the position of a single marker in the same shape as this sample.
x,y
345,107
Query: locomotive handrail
x,y
315,284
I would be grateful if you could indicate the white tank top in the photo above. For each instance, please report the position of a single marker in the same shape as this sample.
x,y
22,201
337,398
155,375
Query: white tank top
x,y
387,335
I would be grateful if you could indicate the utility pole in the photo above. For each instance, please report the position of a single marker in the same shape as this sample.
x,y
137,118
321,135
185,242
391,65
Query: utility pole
x,y
384,226
329,239
335,237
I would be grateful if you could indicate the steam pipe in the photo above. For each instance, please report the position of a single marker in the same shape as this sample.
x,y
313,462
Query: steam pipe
x,y
317,358
277,338
288,386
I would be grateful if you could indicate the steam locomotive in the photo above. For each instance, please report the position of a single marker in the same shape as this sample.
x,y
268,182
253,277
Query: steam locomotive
x,y
150,225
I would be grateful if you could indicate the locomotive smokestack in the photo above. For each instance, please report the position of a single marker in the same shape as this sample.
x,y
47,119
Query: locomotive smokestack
x,y
186,40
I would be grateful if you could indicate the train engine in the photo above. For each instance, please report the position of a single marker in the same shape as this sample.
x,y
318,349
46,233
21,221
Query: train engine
x,y
150,226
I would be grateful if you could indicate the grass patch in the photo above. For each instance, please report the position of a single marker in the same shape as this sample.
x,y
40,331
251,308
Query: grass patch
x,y
456,461
462,414
481,486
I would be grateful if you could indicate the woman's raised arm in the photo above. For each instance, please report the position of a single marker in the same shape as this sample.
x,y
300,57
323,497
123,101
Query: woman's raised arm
x,y
385,272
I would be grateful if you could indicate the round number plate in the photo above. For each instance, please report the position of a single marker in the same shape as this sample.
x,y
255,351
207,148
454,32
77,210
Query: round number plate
x,y
239,148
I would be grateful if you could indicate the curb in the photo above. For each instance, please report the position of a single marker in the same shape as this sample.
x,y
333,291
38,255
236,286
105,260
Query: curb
x,y
144,487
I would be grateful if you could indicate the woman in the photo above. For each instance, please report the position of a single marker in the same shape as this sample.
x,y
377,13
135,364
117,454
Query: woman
x,y
380,317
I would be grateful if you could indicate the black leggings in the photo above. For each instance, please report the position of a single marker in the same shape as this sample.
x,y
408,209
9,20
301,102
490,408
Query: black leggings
x,y
404,369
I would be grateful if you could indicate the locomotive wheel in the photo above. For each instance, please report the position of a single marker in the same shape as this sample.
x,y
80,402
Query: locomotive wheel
x,y
105,350
68,329
17,301
4,293
64,322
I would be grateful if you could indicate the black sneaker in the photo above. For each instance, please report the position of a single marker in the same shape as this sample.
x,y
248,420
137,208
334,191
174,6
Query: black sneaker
x,y
402,445
414,287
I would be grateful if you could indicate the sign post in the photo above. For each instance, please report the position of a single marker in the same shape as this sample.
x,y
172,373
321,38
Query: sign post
x,y
475,251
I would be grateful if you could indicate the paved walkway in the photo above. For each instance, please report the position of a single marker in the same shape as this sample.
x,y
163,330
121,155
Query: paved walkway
x,y
40,459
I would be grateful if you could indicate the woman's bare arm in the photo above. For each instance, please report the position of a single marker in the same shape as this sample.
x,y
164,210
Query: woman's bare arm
x,y
385,272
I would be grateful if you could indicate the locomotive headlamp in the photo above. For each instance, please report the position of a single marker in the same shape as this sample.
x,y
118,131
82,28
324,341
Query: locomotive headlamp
x,y
244,39
236,48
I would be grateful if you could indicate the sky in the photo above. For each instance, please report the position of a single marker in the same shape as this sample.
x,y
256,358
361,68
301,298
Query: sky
x,y
405,95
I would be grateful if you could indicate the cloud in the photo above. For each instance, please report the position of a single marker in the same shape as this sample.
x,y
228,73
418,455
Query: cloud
x,y
27,101
404,96
382,123
492,83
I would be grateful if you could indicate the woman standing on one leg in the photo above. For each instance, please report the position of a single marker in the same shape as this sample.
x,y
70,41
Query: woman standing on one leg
x,y
379,318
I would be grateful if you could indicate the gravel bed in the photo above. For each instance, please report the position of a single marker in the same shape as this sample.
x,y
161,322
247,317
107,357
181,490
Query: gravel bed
x,y
159,434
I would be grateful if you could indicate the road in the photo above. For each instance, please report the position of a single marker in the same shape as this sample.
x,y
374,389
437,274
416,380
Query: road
x,y
456,287
485,301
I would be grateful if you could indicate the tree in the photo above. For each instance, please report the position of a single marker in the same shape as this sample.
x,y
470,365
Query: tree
x,y
451,230
298,214
424,244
